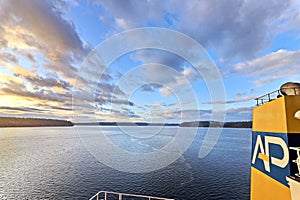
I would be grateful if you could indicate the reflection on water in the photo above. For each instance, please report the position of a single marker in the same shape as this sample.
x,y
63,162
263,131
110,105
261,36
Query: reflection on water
x,y
52,163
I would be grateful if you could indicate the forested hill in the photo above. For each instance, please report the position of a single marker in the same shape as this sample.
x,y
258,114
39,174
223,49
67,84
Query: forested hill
x,y
32,122
37,122
245,124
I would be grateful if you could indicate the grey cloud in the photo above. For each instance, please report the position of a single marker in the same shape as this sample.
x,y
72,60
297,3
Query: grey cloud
x,y
108,88
158,74
159,56
271,67
239,114
147,88
122,113
240,109
106,77
42,26
26,54
132,10
41,94
232,114
39,81
26,109
3,41
194,111
60,108
51,28
171,104
238,100
233,28
64,106
240,94
124,102
150,87
112,100
8,57
64,68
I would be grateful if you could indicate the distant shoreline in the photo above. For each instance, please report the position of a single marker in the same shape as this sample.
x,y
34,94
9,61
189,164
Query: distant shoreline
x,y
241,124
125,124
6,122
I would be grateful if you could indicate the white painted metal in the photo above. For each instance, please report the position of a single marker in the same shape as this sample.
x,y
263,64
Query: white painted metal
x,y
120,195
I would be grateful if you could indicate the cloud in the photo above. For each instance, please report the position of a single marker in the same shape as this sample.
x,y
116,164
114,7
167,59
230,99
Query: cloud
x,y
159,56
238,100
37,94
26,109
239,114
232,114
134,13
122,102
290,19
51,31
27,55
150,87
122,23
52,38
234,29
51,79
41,48
8,58
39,34
271,67
190,74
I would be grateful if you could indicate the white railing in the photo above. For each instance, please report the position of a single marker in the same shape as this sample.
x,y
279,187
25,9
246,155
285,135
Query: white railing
x,y
104,195
297,161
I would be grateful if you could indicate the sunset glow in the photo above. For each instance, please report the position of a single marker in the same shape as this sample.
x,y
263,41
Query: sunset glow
x,y
255,46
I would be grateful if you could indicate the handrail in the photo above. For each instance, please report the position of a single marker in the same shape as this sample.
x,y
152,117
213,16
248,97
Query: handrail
x,y
120,195
267,97
270,96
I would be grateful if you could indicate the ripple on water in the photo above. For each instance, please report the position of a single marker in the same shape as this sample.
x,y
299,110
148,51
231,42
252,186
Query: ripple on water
x,y
52,163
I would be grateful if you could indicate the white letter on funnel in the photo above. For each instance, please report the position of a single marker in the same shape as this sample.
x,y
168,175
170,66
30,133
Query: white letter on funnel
x,y
278,141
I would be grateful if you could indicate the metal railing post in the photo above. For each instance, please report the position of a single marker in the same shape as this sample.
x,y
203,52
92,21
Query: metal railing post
x,y
120,195
268,97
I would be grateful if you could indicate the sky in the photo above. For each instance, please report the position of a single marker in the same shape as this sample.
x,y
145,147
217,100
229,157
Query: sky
x,y
53,58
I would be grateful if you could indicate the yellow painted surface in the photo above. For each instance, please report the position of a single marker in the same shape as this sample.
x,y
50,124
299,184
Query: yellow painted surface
x,y
263,157
264,187
277,116
270,117
292,104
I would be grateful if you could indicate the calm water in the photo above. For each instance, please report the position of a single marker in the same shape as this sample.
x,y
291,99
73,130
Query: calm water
x,y
52,163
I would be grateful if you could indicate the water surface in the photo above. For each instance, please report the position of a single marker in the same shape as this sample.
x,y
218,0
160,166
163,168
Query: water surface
x,y
52,163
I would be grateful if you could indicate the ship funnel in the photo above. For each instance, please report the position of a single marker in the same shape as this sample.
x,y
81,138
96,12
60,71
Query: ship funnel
x,y
275,162
290,88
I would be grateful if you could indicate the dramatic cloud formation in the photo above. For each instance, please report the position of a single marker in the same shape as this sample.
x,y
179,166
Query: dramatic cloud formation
x,y
43,44
37,35
274,66
232,28
39,25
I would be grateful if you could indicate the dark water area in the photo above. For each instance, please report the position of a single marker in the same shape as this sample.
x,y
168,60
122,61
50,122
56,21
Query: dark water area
x,y
52,163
